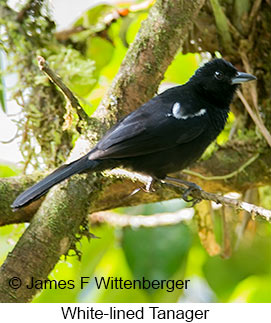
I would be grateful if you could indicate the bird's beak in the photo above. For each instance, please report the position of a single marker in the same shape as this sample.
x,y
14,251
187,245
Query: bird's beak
x,y
241,77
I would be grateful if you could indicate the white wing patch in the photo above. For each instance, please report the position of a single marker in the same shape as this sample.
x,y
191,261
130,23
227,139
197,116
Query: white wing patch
x,y
179,114
176,111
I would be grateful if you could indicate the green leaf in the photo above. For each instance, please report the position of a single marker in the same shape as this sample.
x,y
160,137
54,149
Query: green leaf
x,y
254,289
132,26
94,17
7,171
265,198
126,21
182,68
157,253
99,50
113,265
153,208
224,275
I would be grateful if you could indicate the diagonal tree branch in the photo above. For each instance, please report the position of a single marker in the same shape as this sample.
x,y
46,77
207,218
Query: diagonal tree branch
x,y
53,228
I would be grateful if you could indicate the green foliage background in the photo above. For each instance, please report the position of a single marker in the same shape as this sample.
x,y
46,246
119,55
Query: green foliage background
x,y
87,63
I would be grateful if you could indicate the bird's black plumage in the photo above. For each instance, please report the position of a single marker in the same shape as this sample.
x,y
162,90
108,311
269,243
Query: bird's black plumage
x,y
164,135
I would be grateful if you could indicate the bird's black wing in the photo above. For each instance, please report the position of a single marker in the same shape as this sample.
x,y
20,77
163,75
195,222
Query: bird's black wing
x,y
149,129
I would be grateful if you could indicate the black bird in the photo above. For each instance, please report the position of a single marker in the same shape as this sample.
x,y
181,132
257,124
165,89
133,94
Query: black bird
x,y
164,135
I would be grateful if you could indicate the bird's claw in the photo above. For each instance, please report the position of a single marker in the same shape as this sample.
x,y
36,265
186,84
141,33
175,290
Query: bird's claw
x,y
194,201
192,187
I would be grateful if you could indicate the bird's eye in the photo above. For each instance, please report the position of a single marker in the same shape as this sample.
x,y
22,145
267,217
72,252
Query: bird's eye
x,y
219,75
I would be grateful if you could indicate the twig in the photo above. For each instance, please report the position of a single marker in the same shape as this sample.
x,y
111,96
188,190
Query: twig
x,y
199,195
234,31
253,92
222,177
252,86
222,25
64,89
65,34
239,205
124,220
203,195
259,123
255,9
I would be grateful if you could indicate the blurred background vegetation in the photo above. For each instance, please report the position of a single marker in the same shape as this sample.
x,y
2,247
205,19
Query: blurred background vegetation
x,y
87,56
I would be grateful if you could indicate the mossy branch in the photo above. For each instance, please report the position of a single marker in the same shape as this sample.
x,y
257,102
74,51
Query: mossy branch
x,y
117,187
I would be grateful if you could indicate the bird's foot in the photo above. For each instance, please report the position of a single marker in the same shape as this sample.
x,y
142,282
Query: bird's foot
x,y
193,200
191,187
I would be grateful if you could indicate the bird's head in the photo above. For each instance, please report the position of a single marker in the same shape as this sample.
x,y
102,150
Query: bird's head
x,y
218,79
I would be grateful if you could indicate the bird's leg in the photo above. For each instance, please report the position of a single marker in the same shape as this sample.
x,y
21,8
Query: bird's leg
x,y
191,187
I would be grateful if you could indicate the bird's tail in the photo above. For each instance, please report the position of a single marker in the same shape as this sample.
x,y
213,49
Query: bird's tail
x,y
39,189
